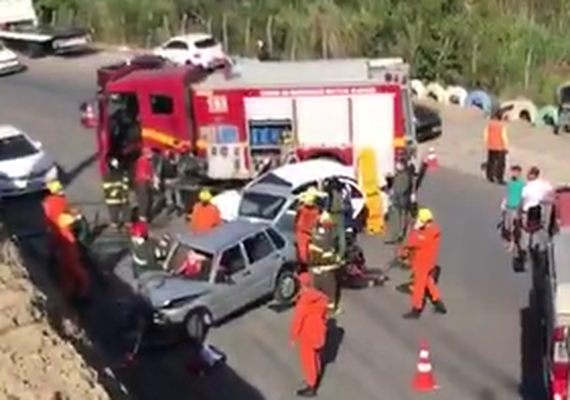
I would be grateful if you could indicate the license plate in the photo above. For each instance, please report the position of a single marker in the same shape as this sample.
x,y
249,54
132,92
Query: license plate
x,y
70,42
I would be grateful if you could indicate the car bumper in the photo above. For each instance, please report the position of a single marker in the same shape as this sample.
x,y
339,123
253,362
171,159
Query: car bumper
x,y
11,67
71,45
19,187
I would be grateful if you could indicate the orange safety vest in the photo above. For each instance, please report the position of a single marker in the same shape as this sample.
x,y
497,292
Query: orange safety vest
x,y
495,136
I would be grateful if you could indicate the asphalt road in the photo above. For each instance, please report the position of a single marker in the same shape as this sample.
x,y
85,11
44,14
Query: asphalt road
x,y
477,349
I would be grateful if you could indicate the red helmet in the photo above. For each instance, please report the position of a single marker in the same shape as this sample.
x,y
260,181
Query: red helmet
x,y
139,229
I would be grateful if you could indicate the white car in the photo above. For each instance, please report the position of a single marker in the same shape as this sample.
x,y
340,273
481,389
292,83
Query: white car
x,y
194,48
273,196
9,61
24,166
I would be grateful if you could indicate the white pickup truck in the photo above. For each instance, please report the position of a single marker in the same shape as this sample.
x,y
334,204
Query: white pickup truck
x,y
20,31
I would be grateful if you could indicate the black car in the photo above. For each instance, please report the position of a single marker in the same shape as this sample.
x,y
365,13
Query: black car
x,y
428,123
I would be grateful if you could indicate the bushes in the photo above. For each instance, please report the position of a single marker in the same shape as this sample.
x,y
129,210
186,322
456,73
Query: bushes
x,y
500,44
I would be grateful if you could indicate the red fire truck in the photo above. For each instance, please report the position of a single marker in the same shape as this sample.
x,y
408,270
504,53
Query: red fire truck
x,y
553,290
253,113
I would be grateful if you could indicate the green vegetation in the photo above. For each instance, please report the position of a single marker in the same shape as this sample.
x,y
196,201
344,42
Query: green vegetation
x,y
508,46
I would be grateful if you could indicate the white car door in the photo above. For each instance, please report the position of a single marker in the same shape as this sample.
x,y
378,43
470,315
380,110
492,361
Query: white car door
x,y
175,50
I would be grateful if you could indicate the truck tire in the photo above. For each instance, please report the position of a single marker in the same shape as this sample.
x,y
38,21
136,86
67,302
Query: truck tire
x,y
286,287
197,325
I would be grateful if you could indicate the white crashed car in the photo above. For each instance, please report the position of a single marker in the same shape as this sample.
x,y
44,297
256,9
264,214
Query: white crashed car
x,y
9,61
274,195
194,48
24,166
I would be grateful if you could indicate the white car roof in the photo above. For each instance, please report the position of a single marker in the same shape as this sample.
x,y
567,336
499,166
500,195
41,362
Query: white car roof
x,y
7,131
192,37
301,173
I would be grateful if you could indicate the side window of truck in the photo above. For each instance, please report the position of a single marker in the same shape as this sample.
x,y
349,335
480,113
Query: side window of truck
x,y
161,105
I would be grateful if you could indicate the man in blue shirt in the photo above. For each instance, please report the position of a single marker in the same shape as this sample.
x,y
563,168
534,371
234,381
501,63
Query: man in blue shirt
x,y
512,205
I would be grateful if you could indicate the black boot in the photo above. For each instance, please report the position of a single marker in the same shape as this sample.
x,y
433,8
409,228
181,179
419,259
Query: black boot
x,y
414,313
307,391
439,307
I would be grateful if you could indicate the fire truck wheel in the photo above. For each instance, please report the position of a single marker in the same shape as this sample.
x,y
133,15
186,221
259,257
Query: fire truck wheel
x,y
286,287
196,325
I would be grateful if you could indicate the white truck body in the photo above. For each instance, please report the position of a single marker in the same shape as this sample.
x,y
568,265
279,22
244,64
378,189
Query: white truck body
x,y
20,31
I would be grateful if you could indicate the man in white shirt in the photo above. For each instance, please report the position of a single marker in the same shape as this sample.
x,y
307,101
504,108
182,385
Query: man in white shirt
x,y
536,191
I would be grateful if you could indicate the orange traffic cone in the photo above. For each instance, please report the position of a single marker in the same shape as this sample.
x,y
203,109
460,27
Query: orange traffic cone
x,y
424,380
431,160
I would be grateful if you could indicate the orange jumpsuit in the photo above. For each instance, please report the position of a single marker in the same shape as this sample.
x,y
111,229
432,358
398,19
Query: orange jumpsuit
x,y
308,329
74,277
54,205
204,217
305,220
424,244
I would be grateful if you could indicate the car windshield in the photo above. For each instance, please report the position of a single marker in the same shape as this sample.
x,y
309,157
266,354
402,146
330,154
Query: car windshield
x,y
16,147
260,205
191,263
206,43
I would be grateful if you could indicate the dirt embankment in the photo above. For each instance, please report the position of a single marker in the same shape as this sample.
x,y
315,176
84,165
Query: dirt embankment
x,y
39,341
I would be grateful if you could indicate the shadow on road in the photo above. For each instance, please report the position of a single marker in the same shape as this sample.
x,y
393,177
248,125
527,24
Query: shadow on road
x,y
68,176
157,373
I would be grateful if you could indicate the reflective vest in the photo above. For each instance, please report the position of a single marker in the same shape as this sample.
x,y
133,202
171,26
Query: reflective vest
x,y
115,191
143,257
322,249
495,136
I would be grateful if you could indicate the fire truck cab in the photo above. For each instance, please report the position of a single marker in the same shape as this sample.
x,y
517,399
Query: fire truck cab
x,y
257,114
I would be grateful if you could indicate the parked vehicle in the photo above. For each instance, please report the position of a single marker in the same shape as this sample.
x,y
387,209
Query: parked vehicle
x,y
428,123
21,31
9,61
273,197
194,49
24,166
208,277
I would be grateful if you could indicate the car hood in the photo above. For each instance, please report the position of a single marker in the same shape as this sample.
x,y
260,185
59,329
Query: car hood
x,y
23,167
228,204
7,55
160,287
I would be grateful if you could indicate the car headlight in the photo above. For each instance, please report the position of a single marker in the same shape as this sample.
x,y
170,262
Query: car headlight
x,y
175,303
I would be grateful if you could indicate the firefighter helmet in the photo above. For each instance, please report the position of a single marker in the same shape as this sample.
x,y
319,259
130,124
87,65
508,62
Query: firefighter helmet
x,y
424,215
205,195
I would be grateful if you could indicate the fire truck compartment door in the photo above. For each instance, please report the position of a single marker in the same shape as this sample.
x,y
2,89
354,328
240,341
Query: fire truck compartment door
x,y
225,161
373,127
323,121
269,108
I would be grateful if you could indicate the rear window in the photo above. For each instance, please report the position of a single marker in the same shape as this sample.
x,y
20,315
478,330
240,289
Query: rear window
x,y
206,43
16,147
260,205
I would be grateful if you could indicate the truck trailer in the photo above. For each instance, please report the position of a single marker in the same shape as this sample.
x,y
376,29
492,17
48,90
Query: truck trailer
x,y
21,31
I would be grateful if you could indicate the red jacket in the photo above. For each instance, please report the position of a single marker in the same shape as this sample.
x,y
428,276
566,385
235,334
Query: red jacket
x,y
309,325
424,244
143,170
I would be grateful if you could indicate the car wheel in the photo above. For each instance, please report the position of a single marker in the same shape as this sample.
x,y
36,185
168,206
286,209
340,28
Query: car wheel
x,y
286,287
196,325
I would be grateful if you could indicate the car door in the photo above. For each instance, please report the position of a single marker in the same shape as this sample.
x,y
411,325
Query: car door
x,y
232,278
356,196
263,260
176,50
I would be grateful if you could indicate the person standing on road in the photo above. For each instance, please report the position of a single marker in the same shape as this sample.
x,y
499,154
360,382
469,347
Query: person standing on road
x,y
170,176
400,202
496,143
511,207
116,193
205,215
54,203
308,331
333,189
423,246
142,249
144,181
324,260
306,219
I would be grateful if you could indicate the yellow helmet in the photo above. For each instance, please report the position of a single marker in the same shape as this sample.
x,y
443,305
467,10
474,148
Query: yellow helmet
x,y
325,217
205,195
55,187
424,215
310,195
65,220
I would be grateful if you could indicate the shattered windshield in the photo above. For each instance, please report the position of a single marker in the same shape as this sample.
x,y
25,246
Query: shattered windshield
x,y
260,205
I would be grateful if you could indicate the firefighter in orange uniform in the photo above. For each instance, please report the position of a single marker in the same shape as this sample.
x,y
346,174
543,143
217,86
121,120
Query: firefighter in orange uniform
x,y
423,247
205,215
73,274
54,203
306,220
308,331
496,142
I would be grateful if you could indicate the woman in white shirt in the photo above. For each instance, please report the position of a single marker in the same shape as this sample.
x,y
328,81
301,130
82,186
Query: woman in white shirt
x,y
536,191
